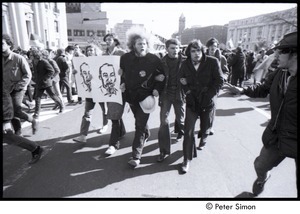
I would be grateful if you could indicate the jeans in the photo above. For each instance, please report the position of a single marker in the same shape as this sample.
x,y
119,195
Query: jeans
x,y
117,131
13,139
268,158
29,93
87,117
213,112
189,129
164,136
17,98
39,94
56,89
141,130
64,82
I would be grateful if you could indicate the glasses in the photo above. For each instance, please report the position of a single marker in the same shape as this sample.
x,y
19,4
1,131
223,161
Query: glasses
x,y
284,51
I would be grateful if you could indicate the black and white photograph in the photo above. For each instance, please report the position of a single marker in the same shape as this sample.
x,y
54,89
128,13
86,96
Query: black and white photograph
x,y
175,101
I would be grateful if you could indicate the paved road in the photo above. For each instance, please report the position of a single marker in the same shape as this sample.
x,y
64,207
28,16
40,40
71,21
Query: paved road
x,y
68,169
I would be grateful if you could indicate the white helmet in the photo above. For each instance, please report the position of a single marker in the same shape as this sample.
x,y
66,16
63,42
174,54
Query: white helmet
x,y
148,104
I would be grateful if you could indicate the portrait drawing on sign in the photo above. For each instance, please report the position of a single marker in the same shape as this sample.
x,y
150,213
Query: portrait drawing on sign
x,y
86,75
108,78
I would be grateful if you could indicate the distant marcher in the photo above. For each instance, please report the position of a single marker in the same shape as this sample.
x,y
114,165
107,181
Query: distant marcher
x,y
62,63
250,64
55,77
257,71
238,67
44,73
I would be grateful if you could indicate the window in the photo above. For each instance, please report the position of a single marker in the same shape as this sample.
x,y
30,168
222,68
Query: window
x,y
78,32
56,26
100,33
90,33
69,32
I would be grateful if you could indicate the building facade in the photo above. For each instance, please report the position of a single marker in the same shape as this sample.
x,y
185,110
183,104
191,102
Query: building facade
x,y
204,34
86,23
44,20
262,31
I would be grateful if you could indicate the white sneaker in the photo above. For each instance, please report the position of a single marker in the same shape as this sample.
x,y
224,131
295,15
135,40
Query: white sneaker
x,y
80,139
134,163
103,129
111,150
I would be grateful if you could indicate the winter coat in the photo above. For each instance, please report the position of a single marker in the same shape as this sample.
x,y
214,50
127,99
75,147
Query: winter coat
x,y
16,72
179,92
63,66
44,74
237,64
139,76
202,85
55,76
282,127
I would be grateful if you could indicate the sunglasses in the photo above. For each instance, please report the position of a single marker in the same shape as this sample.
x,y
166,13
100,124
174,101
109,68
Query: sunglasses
x,y
284,51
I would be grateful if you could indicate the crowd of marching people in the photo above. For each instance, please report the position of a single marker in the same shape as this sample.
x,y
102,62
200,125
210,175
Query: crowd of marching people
x,y
188,80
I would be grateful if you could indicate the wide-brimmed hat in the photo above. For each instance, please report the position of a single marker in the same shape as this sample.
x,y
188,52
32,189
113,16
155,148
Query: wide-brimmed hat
x,y
288,41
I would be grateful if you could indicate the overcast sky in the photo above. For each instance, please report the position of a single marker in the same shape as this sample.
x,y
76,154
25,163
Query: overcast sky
x,y
163,18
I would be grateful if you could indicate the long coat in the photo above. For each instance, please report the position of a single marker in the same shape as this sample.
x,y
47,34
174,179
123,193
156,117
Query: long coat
x,y
237,63
203,83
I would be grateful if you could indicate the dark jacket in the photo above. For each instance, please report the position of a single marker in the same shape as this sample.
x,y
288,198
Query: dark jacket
x,y
44,73
179,91
138,76
55,76
202,85
237,63
282,127
63,65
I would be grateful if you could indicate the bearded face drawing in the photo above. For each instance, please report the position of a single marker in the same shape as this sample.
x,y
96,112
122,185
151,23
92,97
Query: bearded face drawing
x,y
107,75
86,76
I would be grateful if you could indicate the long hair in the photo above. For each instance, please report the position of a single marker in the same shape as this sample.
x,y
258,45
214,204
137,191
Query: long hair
x,y
194,44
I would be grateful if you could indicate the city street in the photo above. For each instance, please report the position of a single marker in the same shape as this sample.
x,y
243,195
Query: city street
x,y
224,169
